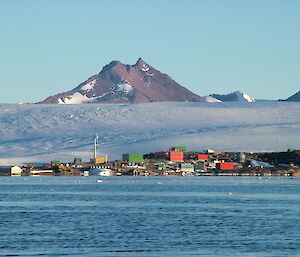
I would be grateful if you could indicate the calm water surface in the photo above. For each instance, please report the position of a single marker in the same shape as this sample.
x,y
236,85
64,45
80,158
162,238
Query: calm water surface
x,y
149,216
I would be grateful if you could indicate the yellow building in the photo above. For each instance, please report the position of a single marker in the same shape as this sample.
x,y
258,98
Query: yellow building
x,y
98,160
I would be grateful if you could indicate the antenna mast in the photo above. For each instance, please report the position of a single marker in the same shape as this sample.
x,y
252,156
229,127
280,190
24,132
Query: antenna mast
x,y
96,138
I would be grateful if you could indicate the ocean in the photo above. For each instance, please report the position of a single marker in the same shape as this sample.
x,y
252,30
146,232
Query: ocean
x,y
150,216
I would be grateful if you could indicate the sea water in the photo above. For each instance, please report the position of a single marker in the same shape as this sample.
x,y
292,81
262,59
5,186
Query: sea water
x,y
149,216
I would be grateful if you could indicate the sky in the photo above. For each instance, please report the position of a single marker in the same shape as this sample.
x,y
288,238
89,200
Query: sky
x,y
208,46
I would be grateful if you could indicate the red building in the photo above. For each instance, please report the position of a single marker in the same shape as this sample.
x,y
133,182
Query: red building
x,y
225,166
176,156
170,155
202,157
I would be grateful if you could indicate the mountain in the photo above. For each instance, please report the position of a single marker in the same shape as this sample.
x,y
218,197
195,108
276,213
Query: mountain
x,y
294,98
120,83
232,97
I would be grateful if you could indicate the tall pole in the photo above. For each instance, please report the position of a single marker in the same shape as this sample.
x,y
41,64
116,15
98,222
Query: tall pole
x,y
95,146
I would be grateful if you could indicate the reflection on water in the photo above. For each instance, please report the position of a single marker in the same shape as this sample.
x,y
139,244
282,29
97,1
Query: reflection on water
x,y
149,216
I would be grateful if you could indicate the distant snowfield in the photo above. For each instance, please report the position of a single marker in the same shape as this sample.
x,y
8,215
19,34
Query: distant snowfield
x,y
41,133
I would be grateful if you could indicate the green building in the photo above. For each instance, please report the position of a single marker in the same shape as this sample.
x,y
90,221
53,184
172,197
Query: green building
x,y
199,167
55,163
133,157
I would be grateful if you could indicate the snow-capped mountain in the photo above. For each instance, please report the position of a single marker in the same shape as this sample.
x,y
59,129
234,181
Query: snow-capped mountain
x,y
120,83
294,98
232,97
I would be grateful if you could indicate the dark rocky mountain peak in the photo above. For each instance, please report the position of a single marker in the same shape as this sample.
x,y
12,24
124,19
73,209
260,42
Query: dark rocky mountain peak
x,y
120,83
140,62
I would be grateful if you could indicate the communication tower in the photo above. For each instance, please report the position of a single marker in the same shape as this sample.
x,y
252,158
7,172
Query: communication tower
x,y
96,138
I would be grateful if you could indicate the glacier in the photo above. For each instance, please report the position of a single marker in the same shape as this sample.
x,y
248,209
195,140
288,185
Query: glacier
x,y
41,133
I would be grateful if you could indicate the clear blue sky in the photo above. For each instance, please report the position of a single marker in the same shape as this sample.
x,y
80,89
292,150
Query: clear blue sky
x,y
208,46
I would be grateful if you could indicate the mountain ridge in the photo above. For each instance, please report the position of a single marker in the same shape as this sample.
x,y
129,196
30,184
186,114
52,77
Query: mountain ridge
x,y
139,83
236,96
294,98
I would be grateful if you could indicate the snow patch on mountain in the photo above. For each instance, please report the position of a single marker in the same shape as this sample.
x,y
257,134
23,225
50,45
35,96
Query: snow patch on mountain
x,y
89,86
124,87
211,99
76,98
243,96
145,68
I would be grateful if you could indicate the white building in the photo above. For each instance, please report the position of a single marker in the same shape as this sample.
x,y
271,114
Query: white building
x,y
15,171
